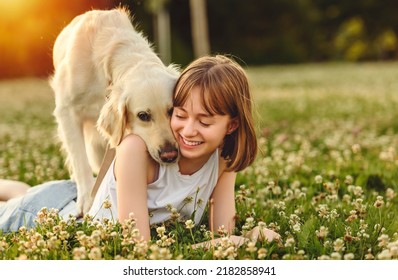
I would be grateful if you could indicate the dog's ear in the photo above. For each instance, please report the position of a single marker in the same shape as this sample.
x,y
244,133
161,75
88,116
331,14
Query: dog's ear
x,y
112,121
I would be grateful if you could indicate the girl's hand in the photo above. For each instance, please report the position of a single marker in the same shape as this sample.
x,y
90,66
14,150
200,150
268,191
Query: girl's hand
x,y
256,234
262,234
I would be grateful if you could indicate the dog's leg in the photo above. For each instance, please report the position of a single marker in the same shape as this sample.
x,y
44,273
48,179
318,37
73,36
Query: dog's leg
x,y
95,145
70,131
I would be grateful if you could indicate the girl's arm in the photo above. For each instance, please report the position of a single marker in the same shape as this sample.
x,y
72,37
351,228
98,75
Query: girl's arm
x,y
131,171
222,206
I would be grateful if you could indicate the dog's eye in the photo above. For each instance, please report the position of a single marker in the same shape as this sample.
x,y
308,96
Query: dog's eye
x,y
170,111
144,116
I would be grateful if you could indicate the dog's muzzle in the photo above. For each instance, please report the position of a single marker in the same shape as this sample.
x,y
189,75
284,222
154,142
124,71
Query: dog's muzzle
x,y
168,153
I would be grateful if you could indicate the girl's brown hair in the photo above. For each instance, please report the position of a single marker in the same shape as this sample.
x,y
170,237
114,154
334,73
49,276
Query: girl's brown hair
x,y
224,91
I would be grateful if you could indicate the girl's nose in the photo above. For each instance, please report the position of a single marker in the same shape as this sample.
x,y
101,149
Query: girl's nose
x,y
189,129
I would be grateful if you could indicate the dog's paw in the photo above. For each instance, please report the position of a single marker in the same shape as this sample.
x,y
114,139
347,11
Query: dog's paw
x,y
84,205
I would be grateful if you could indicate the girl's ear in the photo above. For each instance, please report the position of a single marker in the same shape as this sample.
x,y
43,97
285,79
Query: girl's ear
x,y
233,125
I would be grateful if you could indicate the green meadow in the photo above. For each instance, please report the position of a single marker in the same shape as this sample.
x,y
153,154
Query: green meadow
x,y
325,178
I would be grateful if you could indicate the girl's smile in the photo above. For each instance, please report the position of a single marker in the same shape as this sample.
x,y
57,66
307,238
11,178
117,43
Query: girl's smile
x,y
190,143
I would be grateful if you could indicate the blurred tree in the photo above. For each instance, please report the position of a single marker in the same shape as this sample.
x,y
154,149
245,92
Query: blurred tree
x,y
350,42
161,25
200,37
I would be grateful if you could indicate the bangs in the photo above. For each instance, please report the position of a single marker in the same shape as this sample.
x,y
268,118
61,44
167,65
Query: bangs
x,y
214,94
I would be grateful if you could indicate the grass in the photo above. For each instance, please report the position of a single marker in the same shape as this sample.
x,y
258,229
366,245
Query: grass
x,y
326,178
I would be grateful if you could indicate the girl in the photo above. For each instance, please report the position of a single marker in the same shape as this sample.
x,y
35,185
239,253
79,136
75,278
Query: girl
x,y
213,124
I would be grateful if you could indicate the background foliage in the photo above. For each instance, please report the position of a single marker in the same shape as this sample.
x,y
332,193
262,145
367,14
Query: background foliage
x,y
257,31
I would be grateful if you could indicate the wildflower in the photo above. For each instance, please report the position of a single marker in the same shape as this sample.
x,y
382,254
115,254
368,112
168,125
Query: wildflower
x,y
161,231
384,255
327,244
297,227
348,237
349,180
333,214
174,214
379,202
281,205
251,247
322,232
335,256
276,190
231,253
353,216
356,148
323,257
346,198
189,224
318,179
222,231
107,204
290,242
383,240
225,250
64,235
159,253
357,191
262,253
393,249
249,224
323,211
369,255
95,254
390,193
79,253
188,200
338,245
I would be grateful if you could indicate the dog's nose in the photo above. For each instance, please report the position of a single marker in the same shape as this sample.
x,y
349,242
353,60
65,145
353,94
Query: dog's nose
x,y
168,153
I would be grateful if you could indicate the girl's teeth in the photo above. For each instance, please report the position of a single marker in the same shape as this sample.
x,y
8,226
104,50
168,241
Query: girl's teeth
x,y
191,143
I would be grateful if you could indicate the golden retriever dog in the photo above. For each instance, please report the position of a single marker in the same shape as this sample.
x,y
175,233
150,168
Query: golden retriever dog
x,y
109,82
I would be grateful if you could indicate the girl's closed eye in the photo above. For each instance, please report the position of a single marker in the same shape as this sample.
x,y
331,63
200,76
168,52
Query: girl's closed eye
x,y
179,114
205,123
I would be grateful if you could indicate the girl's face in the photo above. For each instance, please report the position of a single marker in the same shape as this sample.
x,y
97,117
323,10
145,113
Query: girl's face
x,y
197,132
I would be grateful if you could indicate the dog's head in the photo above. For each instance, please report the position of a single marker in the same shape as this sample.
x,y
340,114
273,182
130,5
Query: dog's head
x,y
141,103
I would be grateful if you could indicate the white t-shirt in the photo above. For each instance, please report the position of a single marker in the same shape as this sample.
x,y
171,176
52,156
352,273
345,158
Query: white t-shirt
x,y
186,193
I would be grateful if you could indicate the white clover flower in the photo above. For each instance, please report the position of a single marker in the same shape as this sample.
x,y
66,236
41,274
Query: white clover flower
x,y
349,256
297,227
262,253
324,257
322,232
379,202
290,242
95,253
318,179
338,245
383,240
384,255
356,148
160,231
189,224
107,204
390,193
335,256
251,247
393,247
349,180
